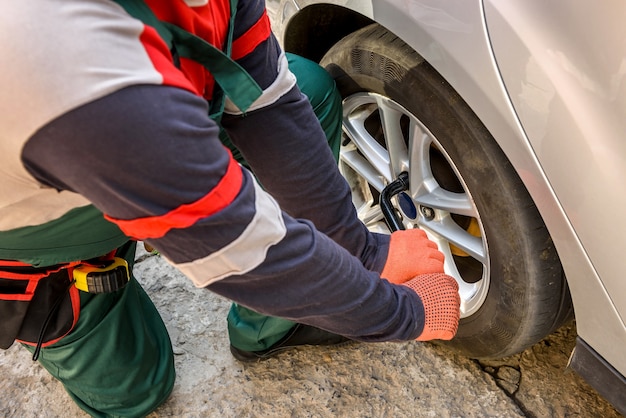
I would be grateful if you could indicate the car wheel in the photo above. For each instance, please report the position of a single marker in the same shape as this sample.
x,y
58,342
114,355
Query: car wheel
x,y
399,115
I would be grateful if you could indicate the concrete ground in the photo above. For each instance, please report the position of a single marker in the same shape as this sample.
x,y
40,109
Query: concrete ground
x,y
360,380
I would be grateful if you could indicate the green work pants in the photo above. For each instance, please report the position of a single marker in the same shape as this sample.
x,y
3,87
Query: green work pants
x,y
118,360
249,330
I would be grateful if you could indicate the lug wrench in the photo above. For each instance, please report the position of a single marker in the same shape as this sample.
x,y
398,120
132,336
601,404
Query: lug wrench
x,y
389,212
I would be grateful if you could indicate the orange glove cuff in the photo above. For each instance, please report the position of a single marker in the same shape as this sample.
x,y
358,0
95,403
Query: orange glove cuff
x,y
440,296
411,253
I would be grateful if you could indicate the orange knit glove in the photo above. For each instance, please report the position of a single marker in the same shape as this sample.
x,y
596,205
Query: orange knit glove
x,y
411,253
440,296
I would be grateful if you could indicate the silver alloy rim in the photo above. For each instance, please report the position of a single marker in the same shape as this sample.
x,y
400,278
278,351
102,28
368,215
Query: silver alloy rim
x,y
370,164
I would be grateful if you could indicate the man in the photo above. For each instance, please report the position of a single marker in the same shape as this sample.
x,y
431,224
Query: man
x,y
105,110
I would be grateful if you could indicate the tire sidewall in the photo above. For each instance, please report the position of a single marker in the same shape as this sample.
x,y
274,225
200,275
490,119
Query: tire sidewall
x,y
522,257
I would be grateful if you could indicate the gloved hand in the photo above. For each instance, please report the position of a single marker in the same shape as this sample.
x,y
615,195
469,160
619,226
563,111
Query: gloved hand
x,y
411,253
440,296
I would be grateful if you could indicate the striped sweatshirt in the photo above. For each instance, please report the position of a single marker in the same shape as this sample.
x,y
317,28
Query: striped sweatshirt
x,y
106,136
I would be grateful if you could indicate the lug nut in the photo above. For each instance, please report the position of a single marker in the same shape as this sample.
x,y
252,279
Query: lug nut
x,y
427,212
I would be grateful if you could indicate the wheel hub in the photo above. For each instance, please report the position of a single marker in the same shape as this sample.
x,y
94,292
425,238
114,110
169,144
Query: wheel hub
x,y
407,206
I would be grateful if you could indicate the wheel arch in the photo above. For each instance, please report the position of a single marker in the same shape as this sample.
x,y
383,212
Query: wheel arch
x,y
328,22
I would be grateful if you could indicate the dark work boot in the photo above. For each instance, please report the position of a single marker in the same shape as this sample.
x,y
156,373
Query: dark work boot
x,y
298,336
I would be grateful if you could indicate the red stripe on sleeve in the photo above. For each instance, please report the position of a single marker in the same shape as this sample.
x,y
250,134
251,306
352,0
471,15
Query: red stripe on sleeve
x,y
258,33
162,60
186,215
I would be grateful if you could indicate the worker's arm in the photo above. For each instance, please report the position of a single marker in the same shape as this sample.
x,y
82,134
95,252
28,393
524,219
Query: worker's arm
x,y
166,178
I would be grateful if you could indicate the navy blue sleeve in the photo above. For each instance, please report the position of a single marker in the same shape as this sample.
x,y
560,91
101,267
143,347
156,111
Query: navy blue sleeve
x,y
134,160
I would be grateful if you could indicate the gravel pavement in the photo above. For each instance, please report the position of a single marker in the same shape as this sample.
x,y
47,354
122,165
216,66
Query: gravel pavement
x,y
359,380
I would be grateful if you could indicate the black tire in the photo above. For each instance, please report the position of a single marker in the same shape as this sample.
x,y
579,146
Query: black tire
x,y
515,288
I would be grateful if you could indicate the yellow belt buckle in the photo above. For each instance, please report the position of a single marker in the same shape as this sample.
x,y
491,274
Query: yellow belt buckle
x,y
108,276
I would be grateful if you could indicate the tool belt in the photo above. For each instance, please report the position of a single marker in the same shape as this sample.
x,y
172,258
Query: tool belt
x,y
41,305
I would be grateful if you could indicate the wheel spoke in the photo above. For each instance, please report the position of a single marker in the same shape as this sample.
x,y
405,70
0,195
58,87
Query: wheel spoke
x,y
457,203
390,116
351,157
450,231
370,215
356,111
421,178
467,291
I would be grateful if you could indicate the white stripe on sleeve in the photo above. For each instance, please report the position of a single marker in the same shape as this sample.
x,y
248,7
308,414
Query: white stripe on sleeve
x,y
245,253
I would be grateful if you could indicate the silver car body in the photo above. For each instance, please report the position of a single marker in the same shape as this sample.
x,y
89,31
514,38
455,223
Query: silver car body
x,y
548,80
